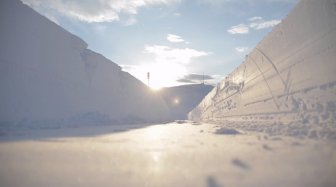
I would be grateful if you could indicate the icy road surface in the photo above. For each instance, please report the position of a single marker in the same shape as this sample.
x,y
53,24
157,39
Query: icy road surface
x,y
175,154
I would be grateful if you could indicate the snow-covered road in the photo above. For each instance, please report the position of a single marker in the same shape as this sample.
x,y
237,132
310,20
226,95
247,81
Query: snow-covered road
x,y
175,154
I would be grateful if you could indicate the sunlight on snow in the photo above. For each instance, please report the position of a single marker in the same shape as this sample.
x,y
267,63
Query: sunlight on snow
x,y
154,132
154,135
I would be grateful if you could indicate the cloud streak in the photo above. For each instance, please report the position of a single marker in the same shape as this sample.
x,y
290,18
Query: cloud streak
x,y
195,78
198,77
95,11
174,38
225,2
174,55
183,80
255,23
239,29
110,10
261,24
241,49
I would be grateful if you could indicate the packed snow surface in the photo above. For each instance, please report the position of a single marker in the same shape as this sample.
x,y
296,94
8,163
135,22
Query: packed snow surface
x,y
287,83
166,155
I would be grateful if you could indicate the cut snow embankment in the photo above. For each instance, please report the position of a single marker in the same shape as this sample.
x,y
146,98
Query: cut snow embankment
x,y
49,79
287,84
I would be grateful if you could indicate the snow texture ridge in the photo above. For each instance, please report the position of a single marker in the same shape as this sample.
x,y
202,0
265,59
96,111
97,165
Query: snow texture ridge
x,y
287,82
48,77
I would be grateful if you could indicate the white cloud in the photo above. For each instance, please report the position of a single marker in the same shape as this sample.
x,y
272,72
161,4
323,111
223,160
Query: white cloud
x,y
256,18
164,54
261,24
241,49
95,11
239,29
174,38
256,23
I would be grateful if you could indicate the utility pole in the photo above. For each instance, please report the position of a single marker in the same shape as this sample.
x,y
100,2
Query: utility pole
x,y
148,77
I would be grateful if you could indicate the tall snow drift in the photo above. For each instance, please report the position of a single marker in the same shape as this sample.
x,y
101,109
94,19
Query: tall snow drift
x,y
289,77
49,77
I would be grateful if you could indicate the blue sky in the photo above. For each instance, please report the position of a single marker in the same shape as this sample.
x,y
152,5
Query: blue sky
x,y
174,40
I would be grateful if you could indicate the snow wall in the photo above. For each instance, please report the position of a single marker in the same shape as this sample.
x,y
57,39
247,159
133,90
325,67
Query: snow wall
x,y
290,76
48,77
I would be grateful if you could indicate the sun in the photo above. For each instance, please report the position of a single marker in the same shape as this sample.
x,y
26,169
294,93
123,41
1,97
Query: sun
x,y
156,89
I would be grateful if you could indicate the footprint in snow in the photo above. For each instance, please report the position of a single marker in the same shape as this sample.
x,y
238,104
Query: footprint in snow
x,y
241,164
180,121
266,147
196,123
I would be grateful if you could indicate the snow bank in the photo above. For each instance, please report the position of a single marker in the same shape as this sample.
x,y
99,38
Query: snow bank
x,y
48,77
289,77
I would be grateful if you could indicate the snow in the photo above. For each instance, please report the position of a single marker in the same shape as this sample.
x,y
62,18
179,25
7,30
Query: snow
x,y
287,84
163,155
49,78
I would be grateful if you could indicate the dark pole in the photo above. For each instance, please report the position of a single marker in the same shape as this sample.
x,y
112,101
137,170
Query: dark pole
x,y
148,77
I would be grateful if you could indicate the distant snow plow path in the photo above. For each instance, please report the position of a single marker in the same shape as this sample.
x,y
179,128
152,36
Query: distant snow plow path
x,y
164,155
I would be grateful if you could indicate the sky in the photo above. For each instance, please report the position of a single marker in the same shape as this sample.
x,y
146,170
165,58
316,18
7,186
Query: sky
x,y
177,41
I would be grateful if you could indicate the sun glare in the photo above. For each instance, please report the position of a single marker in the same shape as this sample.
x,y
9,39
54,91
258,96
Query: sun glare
x,y
161,74
156,89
